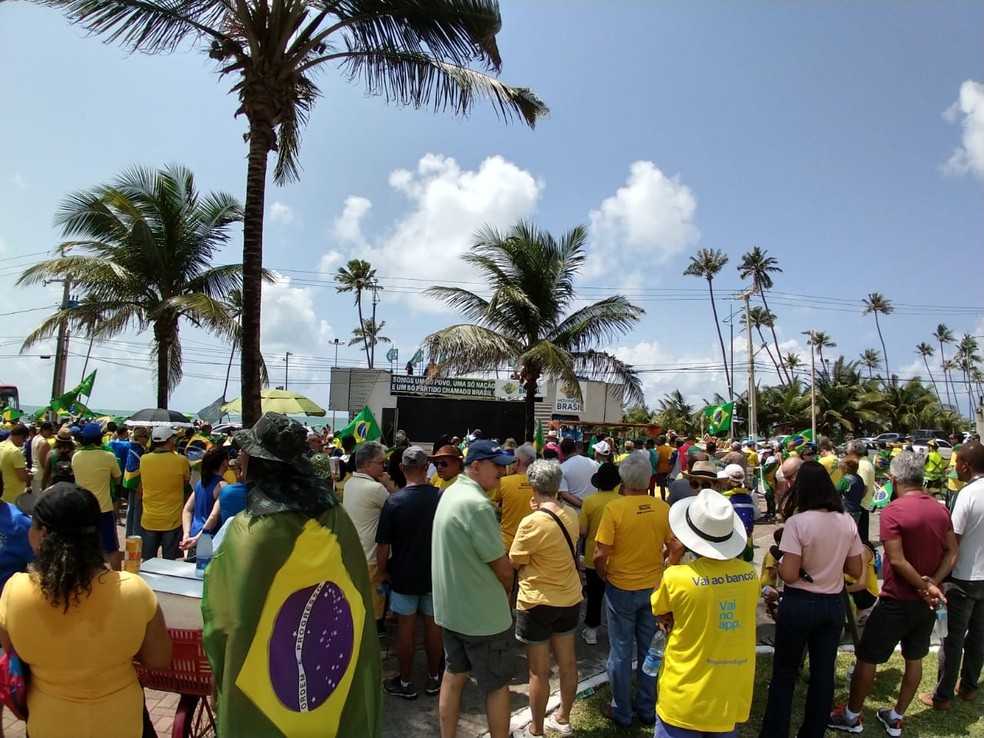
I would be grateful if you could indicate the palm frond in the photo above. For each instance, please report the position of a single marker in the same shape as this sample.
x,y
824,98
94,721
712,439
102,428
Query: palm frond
x,y
600,322
608,368
469,348
467,303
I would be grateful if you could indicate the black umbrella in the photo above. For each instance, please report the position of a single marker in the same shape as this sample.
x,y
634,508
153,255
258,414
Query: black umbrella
x,y
155,416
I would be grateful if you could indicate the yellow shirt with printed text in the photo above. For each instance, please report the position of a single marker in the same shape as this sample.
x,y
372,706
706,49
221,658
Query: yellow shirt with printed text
x,y
636,527
548,575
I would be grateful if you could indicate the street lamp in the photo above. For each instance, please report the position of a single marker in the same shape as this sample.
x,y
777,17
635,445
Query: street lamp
x,y
813,384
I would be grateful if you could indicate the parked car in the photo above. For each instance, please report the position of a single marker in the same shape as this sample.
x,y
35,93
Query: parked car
x,y
944,447
887,438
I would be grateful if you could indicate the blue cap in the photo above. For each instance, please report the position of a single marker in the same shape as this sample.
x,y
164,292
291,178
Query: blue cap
x,y
92,432
76,431
482,450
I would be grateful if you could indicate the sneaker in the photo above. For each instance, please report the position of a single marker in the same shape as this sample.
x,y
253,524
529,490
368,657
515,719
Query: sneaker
x,y
395,687
590,636
838,721
550,723
432,686
892,727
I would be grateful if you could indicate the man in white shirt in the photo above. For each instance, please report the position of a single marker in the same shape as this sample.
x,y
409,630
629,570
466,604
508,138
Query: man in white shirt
x,y
965,588
578,471
365,493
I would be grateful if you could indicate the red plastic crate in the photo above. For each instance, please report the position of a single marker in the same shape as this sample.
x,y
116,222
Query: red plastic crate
x,y
189,671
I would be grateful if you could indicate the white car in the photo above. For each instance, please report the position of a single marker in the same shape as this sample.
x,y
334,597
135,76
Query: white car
x,y
944,447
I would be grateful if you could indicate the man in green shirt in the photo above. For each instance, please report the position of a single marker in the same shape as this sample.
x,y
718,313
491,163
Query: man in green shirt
x,y
472,578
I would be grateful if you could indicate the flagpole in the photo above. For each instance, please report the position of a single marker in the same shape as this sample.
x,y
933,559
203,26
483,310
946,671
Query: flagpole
x,y
813,386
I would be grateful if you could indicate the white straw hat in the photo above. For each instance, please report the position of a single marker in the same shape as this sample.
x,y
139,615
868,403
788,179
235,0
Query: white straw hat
x,y
707,525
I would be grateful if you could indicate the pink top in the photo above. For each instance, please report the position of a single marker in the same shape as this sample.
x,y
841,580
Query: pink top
x,y
823,540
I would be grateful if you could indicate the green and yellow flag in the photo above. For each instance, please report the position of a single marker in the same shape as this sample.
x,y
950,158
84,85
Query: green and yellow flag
x,y
800,439
719,418
538,438
364,427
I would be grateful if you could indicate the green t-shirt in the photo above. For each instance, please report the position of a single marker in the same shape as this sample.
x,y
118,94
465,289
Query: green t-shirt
x,y
468,597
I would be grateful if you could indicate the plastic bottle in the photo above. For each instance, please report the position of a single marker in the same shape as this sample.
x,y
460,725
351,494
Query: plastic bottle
x,y
203,555
850,672
940,628
655,656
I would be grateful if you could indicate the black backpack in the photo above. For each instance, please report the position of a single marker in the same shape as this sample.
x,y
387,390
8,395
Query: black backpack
x,y
61,470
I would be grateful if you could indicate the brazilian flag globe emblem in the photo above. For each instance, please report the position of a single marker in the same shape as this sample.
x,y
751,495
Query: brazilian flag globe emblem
x,y
300,665
719,418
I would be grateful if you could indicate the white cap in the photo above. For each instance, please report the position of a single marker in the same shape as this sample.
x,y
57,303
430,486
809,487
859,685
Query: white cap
x,y
162,433
734,471
602,448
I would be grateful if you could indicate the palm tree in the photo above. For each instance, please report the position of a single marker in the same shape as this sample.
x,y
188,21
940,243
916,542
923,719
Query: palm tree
x,y
757,265
925,350
676,413
968,356
792,362
234,304
410,53
527,319
370,331
147,239
876,303
944,335
707,263
871,360
358,276
759,317
820,340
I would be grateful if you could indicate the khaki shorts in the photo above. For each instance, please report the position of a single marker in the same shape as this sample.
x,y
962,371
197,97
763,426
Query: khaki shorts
x,y
490,659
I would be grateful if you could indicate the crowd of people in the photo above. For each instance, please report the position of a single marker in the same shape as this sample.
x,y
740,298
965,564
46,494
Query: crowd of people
x,y
481,545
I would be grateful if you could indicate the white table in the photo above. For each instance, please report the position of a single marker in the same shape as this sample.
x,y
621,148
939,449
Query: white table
x,y
178,590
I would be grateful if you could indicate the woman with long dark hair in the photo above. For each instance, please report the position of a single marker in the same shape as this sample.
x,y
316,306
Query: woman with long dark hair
x,y
201,512
79,625
820,543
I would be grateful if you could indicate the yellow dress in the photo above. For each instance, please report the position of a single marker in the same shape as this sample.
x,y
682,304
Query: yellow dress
x,y
82,682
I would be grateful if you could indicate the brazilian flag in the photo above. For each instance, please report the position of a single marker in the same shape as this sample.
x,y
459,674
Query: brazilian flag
x,y
364,427
799,439
288,629
719,418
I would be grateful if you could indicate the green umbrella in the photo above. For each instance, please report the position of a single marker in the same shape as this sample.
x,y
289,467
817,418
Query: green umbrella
x,y
279,401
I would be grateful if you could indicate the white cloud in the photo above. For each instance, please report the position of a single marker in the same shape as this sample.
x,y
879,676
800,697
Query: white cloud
x,y
329,262
969,157
280,214
348,226
3,246
651,216
19,182
698,374
448,204
290,322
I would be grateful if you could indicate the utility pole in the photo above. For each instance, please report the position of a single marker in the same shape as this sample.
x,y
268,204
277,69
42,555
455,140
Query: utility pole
x,y
372,342
334,366
813,385
61,349
752,409
286,370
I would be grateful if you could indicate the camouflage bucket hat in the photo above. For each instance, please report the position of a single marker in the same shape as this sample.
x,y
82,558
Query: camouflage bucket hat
x,y
289,482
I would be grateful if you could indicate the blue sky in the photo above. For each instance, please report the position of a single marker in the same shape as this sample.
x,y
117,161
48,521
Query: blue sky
x,y
846,139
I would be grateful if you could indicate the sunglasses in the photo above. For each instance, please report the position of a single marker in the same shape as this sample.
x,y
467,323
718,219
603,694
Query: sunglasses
x,y
442,464
701,483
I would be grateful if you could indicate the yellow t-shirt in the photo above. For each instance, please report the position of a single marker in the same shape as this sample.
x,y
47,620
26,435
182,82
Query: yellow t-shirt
x,y
590,518
952,483
636,527
708,672
831,463
548,575
665,452
163,476
442,484
94,470
753,457
229,477
11,459
82,679
770,571
513,498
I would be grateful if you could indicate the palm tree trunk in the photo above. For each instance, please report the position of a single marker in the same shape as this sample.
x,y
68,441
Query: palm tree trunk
x,y
530,407
88,352
225,387
163,338
946,385
362,327
260,142
775,339
717,324
888,373
933,380
768,350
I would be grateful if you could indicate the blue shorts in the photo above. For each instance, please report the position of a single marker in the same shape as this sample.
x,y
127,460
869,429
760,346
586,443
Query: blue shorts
x,y
671,731
107,532
403,604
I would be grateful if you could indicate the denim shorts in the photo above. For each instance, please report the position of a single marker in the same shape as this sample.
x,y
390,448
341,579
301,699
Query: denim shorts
x,y
490,659
107,532
403,604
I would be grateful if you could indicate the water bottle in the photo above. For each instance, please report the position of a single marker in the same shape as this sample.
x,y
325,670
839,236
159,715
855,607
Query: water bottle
x,y
940,627
203,554
850,672
655,656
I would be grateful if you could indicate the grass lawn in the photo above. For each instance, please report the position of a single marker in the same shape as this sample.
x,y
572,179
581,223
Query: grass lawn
x,y
963,719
